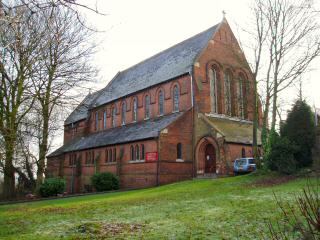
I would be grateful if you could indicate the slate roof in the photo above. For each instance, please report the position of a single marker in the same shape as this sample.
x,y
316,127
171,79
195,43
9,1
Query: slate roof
x,y
128,133
163,66
234,131
81,111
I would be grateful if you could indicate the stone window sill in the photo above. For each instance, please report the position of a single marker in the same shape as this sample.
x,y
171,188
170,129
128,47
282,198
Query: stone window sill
x,y
137,161
179,160
110,163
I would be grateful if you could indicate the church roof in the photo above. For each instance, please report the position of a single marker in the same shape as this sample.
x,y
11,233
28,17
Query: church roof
x,y
234,131
124,134
81,111
166,65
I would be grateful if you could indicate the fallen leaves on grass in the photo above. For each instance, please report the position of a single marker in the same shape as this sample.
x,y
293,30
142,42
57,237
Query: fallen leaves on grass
x,y
101,230
272,181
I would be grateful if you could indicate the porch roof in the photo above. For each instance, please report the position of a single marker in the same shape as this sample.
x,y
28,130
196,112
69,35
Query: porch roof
x,y
233,130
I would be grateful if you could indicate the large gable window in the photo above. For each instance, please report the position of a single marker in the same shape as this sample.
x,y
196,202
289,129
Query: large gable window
x,y
213,90
147,107
240,89
176,99
227,92
134,109
113,116
123,113
161,98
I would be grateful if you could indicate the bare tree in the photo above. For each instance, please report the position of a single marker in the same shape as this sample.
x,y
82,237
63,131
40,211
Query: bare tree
x,y
19,45
287,40
65,63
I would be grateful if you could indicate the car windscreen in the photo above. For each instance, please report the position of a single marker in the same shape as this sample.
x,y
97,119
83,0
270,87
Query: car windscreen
x,y
241,162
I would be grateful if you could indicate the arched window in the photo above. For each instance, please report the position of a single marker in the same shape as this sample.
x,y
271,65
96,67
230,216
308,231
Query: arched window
x,y
213,90
132,152
123,113
176,99
240,96
161,102
114,155
97,120
179,151
227,92
134,110
106,157
142,152
243,153
113,117
137,152
105,119
147,107
110,155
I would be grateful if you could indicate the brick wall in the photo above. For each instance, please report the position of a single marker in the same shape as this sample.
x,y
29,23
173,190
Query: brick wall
x,y
223,54
185,103
171,168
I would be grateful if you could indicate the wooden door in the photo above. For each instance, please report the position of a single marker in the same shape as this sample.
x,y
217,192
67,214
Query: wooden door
x,y
210,159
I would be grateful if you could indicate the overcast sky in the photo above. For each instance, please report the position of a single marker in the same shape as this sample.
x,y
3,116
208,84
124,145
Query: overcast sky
x,y
134,30
137,29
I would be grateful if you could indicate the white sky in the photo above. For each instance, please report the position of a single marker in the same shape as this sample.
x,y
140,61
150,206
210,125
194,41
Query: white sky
x,y
134,30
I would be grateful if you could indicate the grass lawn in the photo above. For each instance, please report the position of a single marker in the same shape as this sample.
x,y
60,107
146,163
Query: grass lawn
x,y
226,208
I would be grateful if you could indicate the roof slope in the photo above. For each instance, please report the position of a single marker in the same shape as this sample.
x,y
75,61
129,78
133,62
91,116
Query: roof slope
x,y
81,111
166,65
128,133
234,131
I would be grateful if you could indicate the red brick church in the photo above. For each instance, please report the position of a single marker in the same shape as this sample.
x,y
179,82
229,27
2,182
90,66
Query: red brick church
x,y
185,112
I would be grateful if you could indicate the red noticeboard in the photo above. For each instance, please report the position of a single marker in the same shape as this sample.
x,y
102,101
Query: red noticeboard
x,y
151,156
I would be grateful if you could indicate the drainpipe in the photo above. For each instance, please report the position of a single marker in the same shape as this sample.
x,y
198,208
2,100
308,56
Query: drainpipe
x,y
193,128
158,162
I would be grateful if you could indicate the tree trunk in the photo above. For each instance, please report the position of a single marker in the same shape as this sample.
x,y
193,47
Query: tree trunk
x,y
9,178
43,147
274,106
255,125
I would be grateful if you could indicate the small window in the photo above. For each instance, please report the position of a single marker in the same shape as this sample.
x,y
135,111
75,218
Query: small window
x,y
142,152
113,117
97,120
132,152
179,151
137,152
104,119
147,107
106,156
123,113
110,155
114,155
161,98
176,99
134,110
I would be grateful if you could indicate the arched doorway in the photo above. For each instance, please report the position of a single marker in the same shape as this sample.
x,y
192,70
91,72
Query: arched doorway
x,y
207,156
210,159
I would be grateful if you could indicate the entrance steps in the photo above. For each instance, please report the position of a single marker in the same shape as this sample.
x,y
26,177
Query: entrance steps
x,y
207,176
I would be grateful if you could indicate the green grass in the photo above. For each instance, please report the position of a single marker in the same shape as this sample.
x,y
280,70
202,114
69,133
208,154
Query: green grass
x,y
226,208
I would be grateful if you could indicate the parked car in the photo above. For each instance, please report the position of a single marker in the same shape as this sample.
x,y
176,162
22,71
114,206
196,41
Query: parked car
x,y
244,165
